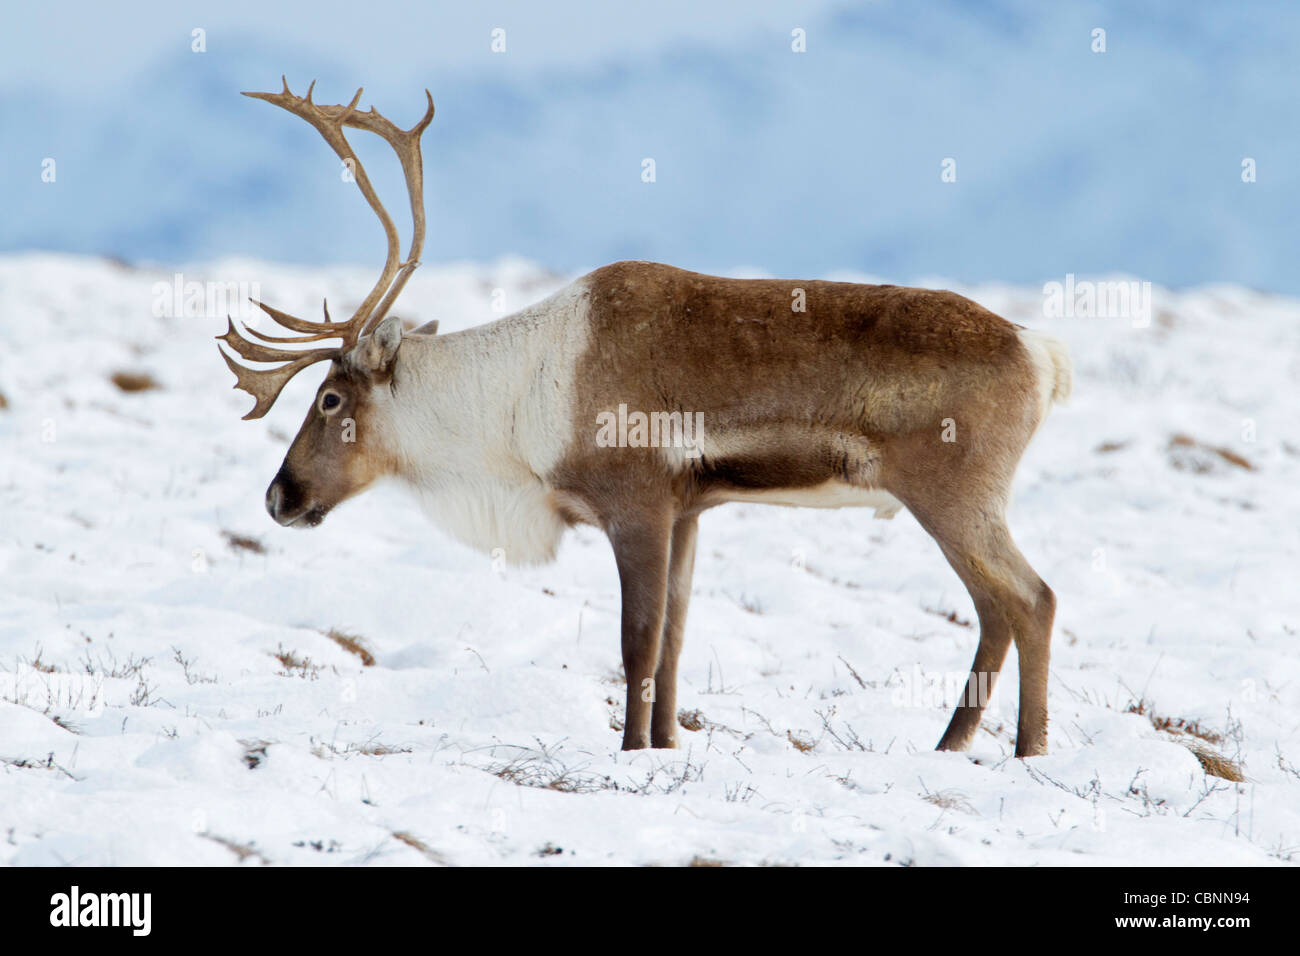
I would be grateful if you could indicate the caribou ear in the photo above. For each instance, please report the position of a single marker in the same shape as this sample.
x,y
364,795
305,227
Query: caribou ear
x,y
429,328
378,350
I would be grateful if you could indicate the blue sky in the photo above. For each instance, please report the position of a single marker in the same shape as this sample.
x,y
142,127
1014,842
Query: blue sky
x,y
798,164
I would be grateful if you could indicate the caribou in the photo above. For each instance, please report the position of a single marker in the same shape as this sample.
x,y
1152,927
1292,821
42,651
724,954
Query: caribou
x,y
806,393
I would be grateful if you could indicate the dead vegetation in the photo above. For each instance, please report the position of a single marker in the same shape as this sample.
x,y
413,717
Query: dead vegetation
x,y
324,750
949,616
541,767
1173,725
294,666
1204,744
49,763
801,742
947,800
129,381
243,542
243,851
353,644
107,665
856,676
39,665
1199,458
192,677
750,605
1216,764
254,752
320,846
692,720
846,738
695,722
415,843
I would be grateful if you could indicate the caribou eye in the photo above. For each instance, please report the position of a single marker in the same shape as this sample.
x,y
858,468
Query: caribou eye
x,y
330,401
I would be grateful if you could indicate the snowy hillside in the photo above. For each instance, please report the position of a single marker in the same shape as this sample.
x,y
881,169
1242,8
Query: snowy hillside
x,y
170,691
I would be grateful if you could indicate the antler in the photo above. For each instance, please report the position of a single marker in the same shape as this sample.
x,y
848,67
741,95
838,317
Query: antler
x,y
265,385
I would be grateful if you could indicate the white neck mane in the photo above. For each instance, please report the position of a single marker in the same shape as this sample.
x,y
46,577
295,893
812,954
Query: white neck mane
x,y
509,382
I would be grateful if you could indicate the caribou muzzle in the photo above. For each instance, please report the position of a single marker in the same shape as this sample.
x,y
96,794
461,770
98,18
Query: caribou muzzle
x,y
289,505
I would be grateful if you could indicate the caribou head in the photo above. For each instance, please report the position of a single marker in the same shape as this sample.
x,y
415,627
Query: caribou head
x,y
337,454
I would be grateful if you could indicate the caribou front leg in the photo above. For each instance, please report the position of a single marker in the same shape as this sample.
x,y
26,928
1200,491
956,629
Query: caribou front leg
x,y
681,568
641,550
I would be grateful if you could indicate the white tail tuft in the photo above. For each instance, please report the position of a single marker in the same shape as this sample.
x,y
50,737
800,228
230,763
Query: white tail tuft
x,y
1052,361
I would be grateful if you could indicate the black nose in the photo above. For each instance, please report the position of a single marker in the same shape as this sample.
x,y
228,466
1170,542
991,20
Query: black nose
x,y
284,498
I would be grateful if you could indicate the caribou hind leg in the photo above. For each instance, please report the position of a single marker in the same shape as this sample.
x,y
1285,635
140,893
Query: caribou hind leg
x,y
1013,604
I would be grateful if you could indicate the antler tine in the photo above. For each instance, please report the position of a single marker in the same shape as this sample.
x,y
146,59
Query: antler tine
x,y
295,324
265,385
256,351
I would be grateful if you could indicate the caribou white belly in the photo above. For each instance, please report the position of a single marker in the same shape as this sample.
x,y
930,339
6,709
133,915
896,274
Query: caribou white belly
x,y
829,494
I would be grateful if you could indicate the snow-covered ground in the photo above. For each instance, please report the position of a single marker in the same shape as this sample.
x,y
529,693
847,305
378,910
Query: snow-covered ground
x,y
169,694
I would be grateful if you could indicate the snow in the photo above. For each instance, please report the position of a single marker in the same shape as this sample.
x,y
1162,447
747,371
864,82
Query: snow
x,y
145,717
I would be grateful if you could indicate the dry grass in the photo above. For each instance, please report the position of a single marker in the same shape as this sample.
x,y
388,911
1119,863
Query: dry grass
x,y
1188,454
692,720
132,667
949,616
415,843
1203,743
1217,765
243,851
192,676
1173,725
950,800
243,542
37,664
296,666
856,676
542,768
546,778
800,742
352,644
1110,446
23,763
370,748
254,752
134,381
705,861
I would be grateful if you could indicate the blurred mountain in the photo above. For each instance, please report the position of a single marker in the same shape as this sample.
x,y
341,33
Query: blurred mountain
x,y
1067,160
